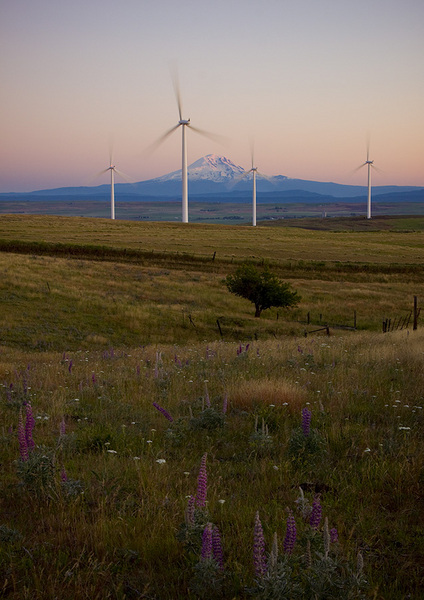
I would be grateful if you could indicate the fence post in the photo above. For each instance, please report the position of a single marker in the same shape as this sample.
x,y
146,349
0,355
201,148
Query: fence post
x,y
219,327
415,314
354,319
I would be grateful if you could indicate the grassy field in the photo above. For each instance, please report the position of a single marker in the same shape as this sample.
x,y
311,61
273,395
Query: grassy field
x,y
121,398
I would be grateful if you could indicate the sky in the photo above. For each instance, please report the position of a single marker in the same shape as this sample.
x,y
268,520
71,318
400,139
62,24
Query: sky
x,y
309,82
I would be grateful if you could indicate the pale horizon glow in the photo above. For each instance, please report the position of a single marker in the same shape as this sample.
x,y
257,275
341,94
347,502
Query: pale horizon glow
x,y
308,81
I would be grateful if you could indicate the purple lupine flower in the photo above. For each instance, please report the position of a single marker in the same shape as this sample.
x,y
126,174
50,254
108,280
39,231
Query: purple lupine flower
x,y
29,426
163,411
202,484
239,350
334,536
62,426
225,404
291,534
63,475
316,513
259,559
70,365
247,348
23,446
306,421
93,379
207,542
217,547
207,399
189,512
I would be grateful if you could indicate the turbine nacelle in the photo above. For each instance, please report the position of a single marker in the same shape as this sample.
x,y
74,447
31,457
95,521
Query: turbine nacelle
x,y
184,122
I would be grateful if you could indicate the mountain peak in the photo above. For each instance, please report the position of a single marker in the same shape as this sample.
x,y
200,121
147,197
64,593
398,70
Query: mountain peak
x,y
214,168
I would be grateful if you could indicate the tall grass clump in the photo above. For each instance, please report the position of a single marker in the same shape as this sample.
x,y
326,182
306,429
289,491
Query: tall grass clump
x,y
263,468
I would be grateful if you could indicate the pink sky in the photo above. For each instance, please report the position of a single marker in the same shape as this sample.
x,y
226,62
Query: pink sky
x,y
309,81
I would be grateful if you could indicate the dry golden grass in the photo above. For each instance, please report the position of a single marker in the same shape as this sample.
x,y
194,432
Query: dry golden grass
x,y
239,242
259,392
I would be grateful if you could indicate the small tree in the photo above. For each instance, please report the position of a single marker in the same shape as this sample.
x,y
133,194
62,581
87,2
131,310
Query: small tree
x,y
262,288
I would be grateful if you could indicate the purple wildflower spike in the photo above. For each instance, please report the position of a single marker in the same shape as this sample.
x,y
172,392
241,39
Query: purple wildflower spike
x,y
247,347
217,547
291,534
259,559
207,542
93,378
29,426
334,536
163,411
63,474
202,484
306,421
70,366
23,446
225,404
316,513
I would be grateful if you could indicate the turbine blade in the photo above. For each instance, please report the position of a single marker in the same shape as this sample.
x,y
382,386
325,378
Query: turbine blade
x,y
377,169
94,177
221,139
252,151
358,168
176,84
124,176
265,177
368,145
111,144
240,178
161,139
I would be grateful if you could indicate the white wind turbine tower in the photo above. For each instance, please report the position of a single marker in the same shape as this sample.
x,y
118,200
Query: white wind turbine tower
x,y
112,170
254,171
183,123
370,164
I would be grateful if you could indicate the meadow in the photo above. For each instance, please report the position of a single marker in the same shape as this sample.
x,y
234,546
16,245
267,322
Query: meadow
x,y
149,453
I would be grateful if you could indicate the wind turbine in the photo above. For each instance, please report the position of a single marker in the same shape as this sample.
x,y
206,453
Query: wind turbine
x,y
254,171
183,123
370,164
112,170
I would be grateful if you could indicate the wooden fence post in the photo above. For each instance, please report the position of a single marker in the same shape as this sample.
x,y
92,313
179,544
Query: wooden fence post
x,y
415,314
219,327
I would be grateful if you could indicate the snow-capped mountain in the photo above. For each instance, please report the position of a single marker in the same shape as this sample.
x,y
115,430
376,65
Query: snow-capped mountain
x,y
212,167
217,177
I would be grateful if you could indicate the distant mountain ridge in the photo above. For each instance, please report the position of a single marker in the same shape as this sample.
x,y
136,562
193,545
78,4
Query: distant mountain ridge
x,y
218,177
